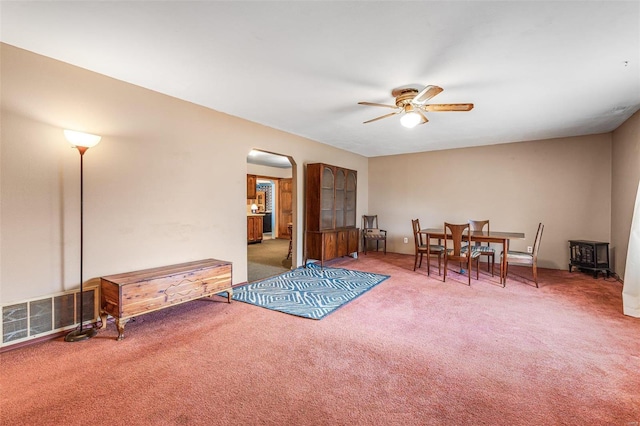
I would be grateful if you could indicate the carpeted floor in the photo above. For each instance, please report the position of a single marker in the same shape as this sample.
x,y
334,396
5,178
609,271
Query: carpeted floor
x,y
411,351
267,259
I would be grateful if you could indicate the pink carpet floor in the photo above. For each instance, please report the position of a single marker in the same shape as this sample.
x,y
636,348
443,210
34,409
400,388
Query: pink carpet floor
x,y
411,351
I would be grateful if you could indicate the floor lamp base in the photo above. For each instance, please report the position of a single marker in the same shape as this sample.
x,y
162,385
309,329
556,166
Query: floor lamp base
x,y
80,335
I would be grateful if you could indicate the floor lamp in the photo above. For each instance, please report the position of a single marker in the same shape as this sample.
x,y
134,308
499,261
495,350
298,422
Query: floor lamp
x,y
81,141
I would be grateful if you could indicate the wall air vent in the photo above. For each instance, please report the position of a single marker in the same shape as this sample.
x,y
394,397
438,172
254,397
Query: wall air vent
x,y
37,317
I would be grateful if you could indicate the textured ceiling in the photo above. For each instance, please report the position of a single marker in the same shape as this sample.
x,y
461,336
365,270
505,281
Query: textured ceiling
x,y
534,70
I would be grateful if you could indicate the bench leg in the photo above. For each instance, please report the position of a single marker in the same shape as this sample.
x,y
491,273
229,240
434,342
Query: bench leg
x,y
120,323
103,320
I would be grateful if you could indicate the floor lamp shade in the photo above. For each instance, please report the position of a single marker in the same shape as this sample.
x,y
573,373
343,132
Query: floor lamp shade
x,y
82,141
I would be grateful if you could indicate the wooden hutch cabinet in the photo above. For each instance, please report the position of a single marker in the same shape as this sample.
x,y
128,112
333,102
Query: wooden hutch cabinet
x,y
330,212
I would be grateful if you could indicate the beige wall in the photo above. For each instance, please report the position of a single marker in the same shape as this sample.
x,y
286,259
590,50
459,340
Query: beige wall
x,y
625,175
166,184
563,183
168,181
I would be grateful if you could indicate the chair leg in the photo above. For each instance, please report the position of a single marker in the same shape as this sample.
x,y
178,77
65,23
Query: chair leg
x,y
415,261
439,259
478,268
506,272
535,274
493,264
385,246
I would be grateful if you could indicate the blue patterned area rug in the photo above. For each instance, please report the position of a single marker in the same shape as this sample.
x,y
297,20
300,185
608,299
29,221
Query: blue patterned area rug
x,y
310,292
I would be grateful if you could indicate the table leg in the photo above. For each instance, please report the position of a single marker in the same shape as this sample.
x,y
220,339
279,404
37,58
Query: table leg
x,y
503,266
428,256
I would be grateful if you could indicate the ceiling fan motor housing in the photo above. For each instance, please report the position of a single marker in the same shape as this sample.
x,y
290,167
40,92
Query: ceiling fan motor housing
x,y
405,97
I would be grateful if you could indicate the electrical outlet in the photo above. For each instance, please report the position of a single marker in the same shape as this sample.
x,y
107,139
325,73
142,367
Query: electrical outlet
x,y
406,240
529,249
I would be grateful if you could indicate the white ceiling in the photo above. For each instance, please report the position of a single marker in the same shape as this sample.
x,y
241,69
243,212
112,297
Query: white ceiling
x,y
534,70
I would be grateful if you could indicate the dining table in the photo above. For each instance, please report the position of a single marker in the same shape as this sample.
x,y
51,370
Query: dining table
x,y
498,237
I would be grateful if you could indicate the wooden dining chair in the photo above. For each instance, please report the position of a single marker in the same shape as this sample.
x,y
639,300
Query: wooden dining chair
x,y
423,248
459,234
371,232
479,225
522,258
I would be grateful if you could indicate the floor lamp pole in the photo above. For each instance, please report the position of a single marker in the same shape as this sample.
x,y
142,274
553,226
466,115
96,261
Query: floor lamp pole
x,y
81,333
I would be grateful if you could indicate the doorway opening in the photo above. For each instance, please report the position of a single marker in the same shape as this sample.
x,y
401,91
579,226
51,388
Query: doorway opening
x,y
271,203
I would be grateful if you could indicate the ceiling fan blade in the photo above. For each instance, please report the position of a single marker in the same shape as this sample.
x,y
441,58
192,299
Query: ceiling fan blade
x,y
424,117
426,94
378,105
381,117
447,107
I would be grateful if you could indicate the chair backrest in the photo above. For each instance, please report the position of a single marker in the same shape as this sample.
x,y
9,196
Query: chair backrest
x,y
457,235
536,243
478,225
417,236
369,222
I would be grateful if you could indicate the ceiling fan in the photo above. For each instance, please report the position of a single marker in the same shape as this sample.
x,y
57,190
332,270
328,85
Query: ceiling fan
x,y
413,102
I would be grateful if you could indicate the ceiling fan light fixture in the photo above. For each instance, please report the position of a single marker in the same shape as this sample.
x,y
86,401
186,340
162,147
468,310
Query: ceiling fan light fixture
x,y
410,118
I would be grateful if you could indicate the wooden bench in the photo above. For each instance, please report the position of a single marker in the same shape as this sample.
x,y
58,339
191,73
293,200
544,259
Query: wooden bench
x,y
135,293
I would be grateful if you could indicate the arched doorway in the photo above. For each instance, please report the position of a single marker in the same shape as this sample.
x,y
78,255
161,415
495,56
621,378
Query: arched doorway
x,y
273,205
